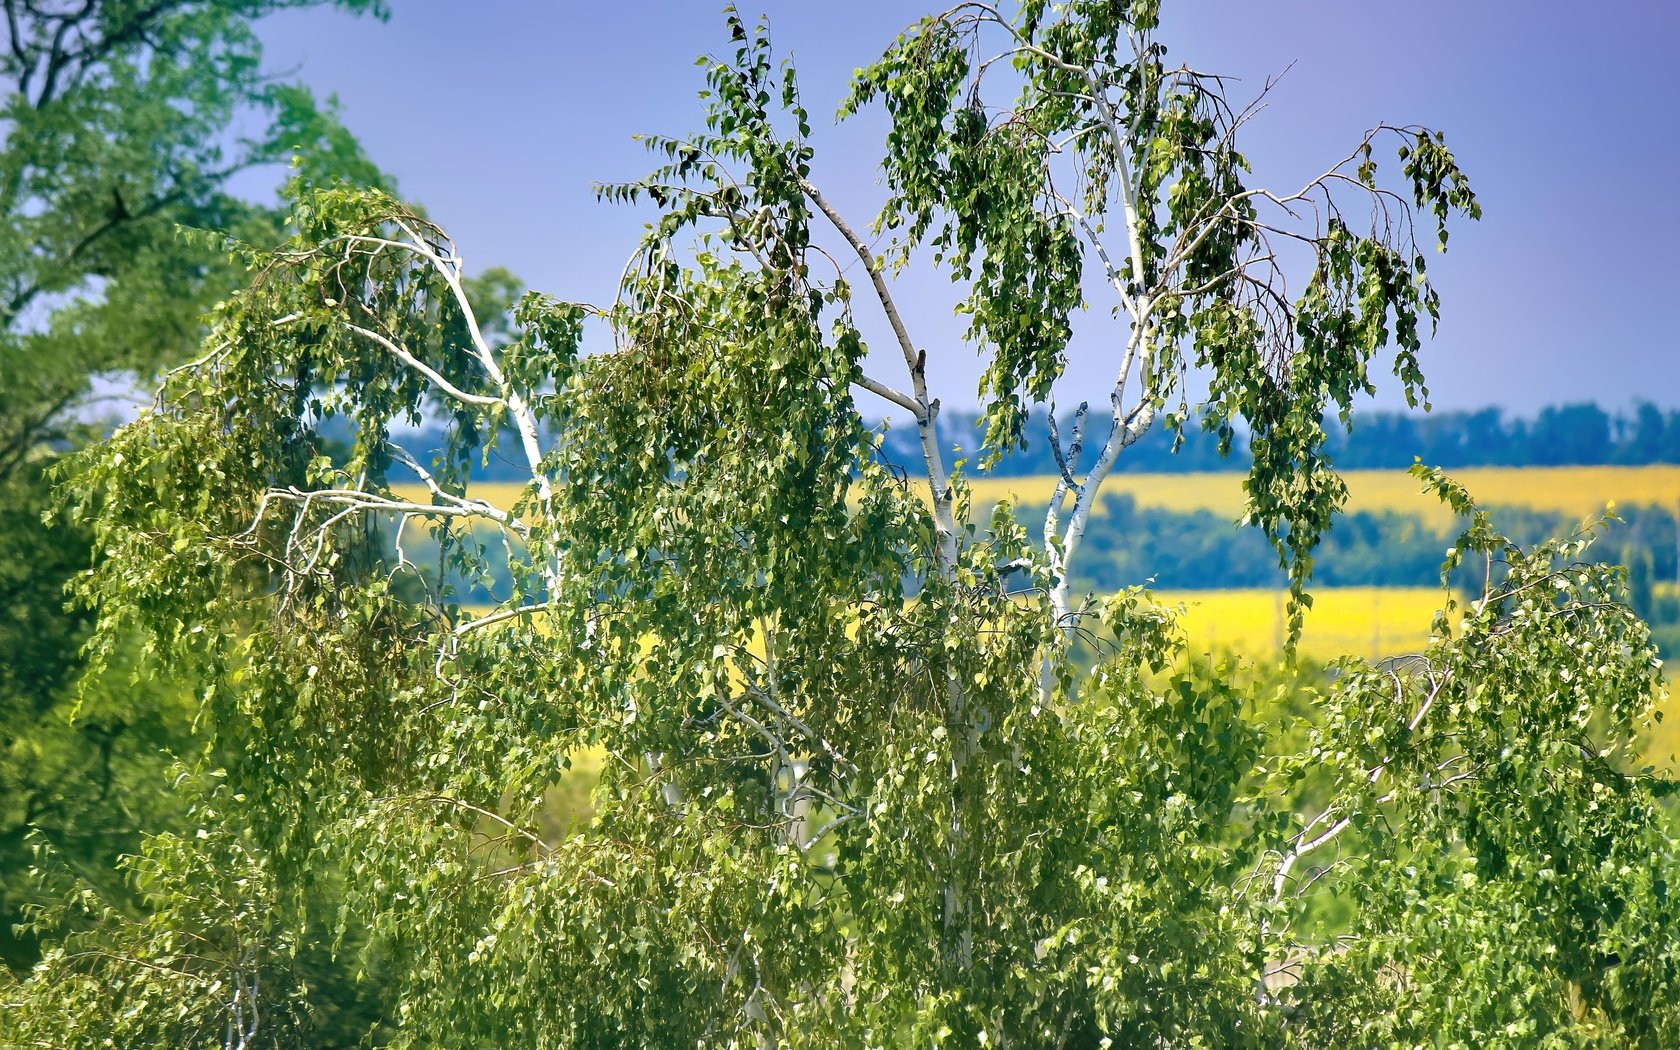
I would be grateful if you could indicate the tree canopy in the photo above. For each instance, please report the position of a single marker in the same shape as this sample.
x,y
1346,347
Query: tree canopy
x,y
117,119
856,789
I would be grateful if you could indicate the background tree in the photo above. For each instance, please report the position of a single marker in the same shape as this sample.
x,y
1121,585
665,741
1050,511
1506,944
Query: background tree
x,y
84,759
117,120
829,814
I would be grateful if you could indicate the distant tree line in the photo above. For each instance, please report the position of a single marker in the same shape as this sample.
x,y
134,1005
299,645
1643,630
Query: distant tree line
x,y
1558,435
1561,435
1201,550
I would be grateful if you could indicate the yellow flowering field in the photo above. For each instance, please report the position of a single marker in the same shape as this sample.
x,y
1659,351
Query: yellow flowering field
x,y
1579,491
1372,622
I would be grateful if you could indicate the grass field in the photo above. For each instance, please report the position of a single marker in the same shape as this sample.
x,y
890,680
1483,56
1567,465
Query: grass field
x,y
1577,491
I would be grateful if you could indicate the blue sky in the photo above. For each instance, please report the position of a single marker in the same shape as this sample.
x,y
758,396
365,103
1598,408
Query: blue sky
x,y
499,114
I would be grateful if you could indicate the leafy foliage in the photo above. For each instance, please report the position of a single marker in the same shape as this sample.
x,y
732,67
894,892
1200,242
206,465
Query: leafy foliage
x,y
84,756
115,117
1202,256
214,955
116,120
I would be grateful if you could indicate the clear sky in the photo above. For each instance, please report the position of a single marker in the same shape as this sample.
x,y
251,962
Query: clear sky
x,y
498,115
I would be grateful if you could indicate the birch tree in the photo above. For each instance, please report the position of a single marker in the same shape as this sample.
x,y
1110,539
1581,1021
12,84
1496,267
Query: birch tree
x,y
857,790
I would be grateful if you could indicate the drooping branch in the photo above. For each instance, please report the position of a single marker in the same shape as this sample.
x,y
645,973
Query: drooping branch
x,y
1199,275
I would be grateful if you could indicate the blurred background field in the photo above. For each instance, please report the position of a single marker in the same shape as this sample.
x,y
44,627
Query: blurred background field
x,y
1577,492
1574,491
1369,622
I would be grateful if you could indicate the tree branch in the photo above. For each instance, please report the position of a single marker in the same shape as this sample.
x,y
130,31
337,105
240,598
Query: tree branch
x,y
916,362
423,368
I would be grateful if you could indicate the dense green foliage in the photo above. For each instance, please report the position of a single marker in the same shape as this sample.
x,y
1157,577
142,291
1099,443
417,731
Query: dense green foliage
x,y
852,792
84,760
115,118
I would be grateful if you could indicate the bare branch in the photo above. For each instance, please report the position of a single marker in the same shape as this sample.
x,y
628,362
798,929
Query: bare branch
x,y
423,368
897,397
916,362
500,617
